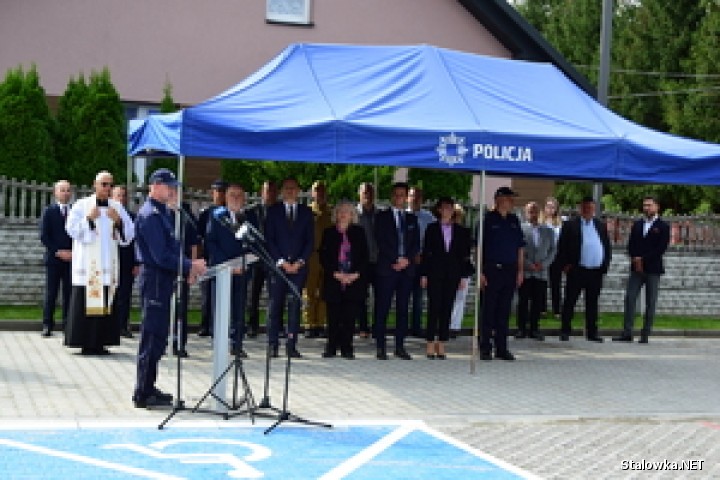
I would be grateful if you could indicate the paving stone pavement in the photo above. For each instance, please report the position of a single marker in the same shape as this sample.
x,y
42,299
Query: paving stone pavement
x,y
562,410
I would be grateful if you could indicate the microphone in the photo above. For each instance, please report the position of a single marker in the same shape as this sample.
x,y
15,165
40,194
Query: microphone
x,y
243,232
228,224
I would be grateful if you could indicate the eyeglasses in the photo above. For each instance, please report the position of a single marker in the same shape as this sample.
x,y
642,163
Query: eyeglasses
x,y
107,184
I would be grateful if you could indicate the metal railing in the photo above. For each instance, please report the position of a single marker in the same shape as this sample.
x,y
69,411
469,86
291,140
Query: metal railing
x,y
22,201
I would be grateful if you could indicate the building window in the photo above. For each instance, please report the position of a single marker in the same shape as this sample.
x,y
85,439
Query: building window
x,y
295,12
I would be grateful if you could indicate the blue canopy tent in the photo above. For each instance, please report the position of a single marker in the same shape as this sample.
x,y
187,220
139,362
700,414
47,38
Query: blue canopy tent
x,y
426,107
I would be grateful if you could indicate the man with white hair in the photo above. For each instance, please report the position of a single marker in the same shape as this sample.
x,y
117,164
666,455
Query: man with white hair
x,y
97,224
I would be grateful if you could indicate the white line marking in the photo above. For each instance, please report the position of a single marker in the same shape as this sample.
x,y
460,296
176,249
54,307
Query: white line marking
x,y
364,456
88,460
478,453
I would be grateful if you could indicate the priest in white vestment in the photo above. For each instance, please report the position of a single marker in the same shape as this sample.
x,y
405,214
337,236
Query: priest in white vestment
x,y
97,224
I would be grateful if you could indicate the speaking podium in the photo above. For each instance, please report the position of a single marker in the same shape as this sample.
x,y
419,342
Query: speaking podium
x,y
221,367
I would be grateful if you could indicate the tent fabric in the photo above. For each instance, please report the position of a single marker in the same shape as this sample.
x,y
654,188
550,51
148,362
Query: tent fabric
x,y
428,107
157,135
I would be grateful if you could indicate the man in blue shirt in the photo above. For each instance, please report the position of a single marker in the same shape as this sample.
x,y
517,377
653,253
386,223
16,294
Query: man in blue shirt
x,y
502,273
159,254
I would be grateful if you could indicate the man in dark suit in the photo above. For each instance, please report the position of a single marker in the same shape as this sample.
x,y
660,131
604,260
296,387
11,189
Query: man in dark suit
x,y
129,269
649,239
260,276
585,252
289,234
58,253
223,246
217,190
398,241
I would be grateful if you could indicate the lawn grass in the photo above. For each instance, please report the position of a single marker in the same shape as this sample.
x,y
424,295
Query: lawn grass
x,y
606,321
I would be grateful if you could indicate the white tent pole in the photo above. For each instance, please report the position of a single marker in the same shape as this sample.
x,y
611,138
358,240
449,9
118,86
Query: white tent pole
x,y
478,267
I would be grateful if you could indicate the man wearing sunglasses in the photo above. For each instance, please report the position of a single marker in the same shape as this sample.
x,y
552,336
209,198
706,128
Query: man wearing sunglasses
x,y
97,224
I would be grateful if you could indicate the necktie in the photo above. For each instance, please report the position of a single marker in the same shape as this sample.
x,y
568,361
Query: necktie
x,y
401,233
63,209
291,215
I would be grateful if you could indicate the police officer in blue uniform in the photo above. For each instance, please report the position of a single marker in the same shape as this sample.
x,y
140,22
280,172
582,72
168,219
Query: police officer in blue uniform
x,y
502,273
159,254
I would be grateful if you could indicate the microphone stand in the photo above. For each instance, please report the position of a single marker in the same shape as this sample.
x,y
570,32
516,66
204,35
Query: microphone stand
x,y
178,404
254,243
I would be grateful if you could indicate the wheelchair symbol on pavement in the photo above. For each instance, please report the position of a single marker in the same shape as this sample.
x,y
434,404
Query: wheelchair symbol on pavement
x,y
240,466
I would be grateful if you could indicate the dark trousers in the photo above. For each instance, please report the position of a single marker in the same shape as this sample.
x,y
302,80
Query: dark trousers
x,y
260,279
530,299
55,274
589,281
398,284
441,300
238,297
497,300
341,325
237,309
555,272
417,305
181,317
279,292
123,297
206,305
153,341
635,283
362,316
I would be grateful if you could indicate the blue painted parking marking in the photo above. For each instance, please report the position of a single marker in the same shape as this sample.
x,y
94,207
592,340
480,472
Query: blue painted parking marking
x,y
408,450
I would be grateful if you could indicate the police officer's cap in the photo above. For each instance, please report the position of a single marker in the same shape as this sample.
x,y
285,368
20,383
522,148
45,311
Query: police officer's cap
x,y
164,176
505,192
219,184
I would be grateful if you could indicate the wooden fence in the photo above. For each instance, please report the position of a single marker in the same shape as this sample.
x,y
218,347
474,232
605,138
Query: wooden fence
x,y
23,201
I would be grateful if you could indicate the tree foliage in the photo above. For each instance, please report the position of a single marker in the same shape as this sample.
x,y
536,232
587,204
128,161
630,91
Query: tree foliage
x,y
96,136
659,46
342,180
26,127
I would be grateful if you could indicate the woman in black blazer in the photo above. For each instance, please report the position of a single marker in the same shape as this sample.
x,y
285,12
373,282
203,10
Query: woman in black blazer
x,y
445,266
344,258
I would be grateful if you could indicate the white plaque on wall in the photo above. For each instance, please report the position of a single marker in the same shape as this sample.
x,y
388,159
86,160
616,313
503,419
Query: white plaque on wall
x,y
288,11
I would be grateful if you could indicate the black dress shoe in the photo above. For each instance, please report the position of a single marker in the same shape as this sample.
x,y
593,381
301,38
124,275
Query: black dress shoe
x,y
564,337
485,356
506,355
162,395
293,353
46,332
348,356
311,333
274,351
520,335
595,339
152,401
402,354
204,332
622,338
441,356
238,352
327,354
431,356
182,353
643,339
252,333
125,333
537,336
381,354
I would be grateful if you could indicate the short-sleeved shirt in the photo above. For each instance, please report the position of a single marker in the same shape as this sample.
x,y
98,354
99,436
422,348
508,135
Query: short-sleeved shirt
x,y
502,238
